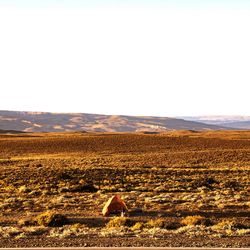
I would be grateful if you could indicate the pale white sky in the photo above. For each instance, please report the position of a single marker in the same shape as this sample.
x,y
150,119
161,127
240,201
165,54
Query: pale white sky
x,y
132,60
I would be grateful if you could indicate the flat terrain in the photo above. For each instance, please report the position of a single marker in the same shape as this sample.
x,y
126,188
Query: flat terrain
x,y
183,189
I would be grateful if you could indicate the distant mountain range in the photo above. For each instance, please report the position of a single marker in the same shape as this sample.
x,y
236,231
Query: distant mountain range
x,y
238,122
60,122
10,132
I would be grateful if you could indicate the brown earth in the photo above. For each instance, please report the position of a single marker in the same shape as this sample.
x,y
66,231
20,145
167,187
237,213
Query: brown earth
x,y
163,178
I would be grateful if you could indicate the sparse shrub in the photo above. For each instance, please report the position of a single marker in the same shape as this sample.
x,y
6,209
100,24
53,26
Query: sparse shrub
x,y
40,230
204,182
118,222
81,187
9,232
51,219
23,189
26,222
243,232
64,176
232,185
138,226
77,227
68,231
229,225
156,223
225,224
162,223
172,225
195,220
35,193
86,187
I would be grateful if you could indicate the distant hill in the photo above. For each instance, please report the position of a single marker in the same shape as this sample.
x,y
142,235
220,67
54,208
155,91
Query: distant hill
x,y
60,122
10,132
240,125
239,122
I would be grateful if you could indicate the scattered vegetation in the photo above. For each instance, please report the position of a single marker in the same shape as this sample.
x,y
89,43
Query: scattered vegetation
x,y
138,226
194,184
118,222
156,223
229,224
51,219
195,220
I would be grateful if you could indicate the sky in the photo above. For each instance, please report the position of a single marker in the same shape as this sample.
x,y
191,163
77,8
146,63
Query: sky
x,y
134,57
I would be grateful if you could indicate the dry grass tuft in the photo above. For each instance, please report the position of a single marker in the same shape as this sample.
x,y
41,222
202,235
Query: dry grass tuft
x,y
118,222
156,223
163,224
229,225
25,222
195,220
51,219
138,226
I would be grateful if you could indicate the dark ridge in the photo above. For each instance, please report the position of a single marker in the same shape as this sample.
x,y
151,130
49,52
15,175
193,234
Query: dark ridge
x,y
11,132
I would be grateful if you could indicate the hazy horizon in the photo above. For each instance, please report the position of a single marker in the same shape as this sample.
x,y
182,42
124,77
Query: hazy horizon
x,y
139,58
110,114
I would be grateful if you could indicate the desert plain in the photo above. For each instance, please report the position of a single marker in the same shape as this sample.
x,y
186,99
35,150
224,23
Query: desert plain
x,y
182,189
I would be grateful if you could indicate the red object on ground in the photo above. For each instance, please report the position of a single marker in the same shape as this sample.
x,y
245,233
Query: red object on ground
x,y
114,205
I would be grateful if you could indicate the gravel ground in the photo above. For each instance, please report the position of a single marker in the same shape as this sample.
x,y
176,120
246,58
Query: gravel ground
x,y
89,241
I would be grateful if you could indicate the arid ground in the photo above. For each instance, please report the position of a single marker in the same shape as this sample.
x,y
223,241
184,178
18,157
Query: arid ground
x,y
182,188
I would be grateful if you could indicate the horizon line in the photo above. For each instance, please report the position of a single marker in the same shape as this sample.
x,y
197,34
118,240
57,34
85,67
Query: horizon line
x,y
105,114
123,3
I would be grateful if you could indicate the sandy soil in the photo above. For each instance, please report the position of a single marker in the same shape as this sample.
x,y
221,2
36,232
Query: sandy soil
x,y
182,188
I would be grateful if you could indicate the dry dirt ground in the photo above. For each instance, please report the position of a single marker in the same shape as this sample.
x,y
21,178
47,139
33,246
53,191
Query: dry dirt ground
x,y
182,189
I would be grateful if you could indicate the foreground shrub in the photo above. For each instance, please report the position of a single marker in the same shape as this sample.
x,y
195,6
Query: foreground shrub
x,y
156,223
81,187
195,220
204,182
138,226
25,222
229,225
162,223
232,185
172,225
51,219
118,222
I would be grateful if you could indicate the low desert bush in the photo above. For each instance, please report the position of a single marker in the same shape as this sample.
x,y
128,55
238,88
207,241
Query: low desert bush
x,y
204,182
162,223
9,232
195,220
80,187
24,189
25,222
232,185
156,223
32,231
229,224
243,232
118,222
51,219
172,225
138,226
64,176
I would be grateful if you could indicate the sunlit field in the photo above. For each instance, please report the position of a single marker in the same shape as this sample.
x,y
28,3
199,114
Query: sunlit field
x,y
182,188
